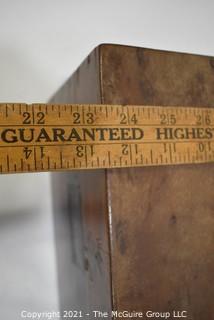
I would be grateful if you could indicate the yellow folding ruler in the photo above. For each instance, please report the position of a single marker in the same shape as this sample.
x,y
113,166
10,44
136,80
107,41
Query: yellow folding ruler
x,y
44,137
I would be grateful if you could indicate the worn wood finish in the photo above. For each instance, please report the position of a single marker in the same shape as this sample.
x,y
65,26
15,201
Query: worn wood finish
x,y
156,223
81,214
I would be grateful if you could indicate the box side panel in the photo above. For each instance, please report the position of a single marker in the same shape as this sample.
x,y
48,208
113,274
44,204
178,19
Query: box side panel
x,y
162,217
80,213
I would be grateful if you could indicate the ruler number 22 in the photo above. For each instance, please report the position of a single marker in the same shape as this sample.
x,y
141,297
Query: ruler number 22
x,y
40,118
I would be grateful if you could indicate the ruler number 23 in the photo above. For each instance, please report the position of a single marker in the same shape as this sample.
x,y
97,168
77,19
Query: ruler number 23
x,y
39,118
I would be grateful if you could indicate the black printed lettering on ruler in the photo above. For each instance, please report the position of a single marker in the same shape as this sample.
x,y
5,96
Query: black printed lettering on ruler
x,y
123,118
27,117
204,146
89,118
76,117
27,152
134,119
79,151
38,118
125,149
167,119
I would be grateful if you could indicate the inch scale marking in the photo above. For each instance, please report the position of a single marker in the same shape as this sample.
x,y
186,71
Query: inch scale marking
x,y
42,137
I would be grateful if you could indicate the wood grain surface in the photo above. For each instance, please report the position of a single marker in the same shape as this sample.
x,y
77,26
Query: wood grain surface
x,y
155,225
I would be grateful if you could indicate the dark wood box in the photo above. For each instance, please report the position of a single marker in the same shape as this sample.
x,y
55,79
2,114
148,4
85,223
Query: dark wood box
x,y
142,238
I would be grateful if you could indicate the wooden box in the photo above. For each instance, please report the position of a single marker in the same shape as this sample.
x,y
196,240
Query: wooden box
x,y
142,238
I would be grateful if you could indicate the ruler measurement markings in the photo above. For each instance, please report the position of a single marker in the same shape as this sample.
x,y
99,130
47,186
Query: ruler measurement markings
x,y
61,159
95,110
102,125
128,115
120,160
130,153
8,163
98,162
109,158
6,111
170,153
188,156
59,111
151,156
33,114
101,144
86,157
49,163
141,157
35,162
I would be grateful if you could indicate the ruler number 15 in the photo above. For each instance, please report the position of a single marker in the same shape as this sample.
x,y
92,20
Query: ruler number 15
x,y
39,118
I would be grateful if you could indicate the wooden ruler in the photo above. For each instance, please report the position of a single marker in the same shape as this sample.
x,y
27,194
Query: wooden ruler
x,y
42,137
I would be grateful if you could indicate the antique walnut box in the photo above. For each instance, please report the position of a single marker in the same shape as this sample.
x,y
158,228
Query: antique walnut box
x,y
141,238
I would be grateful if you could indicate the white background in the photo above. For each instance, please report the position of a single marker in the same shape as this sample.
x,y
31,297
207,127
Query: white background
x,y
41,44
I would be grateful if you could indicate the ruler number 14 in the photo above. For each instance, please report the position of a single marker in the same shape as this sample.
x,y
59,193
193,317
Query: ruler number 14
x,y
28,152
